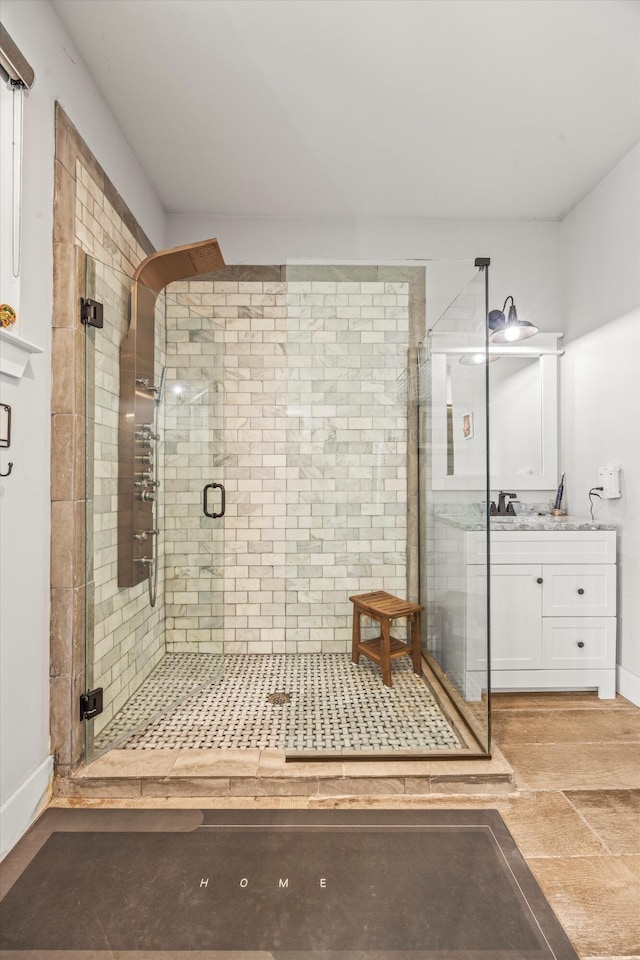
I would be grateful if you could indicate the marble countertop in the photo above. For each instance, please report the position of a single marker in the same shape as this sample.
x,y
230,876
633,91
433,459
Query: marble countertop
x,y
513,524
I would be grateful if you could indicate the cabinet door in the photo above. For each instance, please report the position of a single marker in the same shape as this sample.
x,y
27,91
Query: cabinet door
x,y
476,619
579,590
516,616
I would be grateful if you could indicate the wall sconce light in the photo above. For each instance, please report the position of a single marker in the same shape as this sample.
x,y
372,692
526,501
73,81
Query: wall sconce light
x,y
507,329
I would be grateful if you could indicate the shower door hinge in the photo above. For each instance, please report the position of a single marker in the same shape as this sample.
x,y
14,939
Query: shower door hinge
x,y
91,704
91,312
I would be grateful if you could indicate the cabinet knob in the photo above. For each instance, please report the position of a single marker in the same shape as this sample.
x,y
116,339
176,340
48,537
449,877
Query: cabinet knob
x,y
539,580
581,643
580,591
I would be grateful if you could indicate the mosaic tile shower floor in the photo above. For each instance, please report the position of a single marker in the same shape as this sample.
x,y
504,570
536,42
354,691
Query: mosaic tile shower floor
x,y
334,705
176,677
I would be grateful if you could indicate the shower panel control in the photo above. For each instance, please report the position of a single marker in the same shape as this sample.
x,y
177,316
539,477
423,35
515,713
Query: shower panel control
x,y
137,483
145,383
145,533
146,434
145,484
147,481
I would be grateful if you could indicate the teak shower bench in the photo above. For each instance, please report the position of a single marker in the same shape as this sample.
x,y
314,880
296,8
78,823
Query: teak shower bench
x,y
385,608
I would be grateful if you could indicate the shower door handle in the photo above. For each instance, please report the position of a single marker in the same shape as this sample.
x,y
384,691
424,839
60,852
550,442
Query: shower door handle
x,y
205,510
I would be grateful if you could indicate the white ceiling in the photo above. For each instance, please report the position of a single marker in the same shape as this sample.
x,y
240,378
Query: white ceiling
x,y
474,109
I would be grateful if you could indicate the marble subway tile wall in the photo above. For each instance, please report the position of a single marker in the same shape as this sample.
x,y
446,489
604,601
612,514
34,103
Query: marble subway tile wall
x,y
192,449
288,393
127,636
346,464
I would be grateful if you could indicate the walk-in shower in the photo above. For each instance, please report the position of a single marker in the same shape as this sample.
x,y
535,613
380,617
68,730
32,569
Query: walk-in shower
x,y
300,394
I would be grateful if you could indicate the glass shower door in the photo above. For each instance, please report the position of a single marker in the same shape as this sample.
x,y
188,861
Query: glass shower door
x,y
150,551
454,495
196,508
353,331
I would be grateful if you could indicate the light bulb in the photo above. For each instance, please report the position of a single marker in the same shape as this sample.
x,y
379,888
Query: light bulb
x,y
511,333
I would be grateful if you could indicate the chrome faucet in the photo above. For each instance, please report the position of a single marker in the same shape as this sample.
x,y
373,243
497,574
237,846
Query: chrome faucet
x,y
503,509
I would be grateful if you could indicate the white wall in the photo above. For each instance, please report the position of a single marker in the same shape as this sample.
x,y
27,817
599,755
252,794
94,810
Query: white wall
x,y
601,378
25,765
524,256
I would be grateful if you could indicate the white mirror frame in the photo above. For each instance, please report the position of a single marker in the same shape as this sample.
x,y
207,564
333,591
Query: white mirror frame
x,y
546,349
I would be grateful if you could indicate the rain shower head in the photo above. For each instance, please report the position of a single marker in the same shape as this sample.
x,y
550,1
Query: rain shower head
x,y
179,263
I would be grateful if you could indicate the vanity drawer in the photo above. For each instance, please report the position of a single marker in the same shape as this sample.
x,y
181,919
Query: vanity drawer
x,y
551,546
578,642
579,590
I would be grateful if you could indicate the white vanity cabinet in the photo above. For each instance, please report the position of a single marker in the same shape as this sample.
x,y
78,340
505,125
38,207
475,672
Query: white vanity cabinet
x,y
553,610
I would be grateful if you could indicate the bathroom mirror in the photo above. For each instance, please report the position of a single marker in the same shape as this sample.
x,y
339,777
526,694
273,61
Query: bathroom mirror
x,y
522,388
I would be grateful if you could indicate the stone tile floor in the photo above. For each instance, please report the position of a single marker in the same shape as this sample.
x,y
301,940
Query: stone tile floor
x,y
575,815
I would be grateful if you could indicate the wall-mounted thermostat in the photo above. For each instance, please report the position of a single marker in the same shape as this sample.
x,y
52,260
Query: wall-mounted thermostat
x,y
609,480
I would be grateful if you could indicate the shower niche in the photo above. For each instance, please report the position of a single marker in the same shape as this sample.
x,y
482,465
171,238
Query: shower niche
x,y
140,396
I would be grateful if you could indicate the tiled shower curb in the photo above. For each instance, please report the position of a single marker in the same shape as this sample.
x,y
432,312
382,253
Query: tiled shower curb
x,y
208,773
122,787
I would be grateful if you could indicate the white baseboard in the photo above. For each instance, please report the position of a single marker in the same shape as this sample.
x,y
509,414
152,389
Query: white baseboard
x,y
628,685
21,809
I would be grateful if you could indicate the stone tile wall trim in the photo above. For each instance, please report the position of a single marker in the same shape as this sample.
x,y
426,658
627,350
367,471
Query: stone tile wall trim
x,y
73,162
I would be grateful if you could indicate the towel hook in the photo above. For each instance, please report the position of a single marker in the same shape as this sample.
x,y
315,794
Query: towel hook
x,y
8,471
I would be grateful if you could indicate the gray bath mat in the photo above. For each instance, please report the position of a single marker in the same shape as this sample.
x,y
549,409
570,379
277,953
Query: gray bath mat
x,y
290,885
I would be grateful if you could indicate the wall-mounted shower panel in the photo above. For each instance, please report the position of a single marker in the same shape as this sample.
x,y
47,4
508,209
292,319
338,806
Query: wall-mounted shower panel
x,y
138,440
